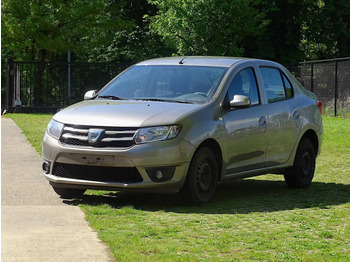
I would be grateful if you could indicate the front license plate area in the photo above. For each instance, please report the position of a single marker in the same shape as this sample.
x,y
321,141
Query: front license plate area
x,y
97,160
84,159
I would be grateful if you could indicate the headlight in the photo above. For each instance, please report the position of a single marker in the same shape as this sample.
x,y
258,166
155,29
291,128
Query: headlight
x,y
157,133
54,129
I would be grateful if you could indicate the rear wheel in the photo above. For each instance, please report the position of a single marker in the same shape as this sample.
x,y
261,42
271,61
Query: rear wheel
x,y
68,192
202,177
302,172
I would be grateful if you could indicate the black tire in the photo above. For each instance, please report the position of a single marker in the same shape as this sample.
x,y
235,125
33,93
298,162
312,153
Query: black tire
x,y
302,172
202,177
69,192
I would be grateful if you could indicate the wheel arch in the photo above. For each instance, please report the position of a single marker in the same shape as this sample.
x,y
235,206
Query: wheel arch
x,y
312,136
215,147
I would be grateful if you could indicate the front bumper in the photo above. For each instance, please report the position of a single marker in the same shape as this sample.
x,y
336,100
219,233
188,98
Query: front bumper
x,y
147,160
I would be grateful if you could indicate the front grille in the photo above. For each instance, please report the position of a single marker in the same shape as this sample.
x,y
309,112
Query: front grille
x,y
119,137
98,173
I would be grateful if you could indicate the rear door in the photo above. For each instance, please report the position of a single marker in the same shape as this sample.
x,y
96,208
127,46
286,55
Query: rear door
x,y
283,115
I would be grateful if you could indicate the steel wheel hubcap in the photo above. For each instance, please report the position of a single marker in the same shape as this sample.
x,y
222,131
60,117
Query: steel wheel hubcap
x,y
306,163
204,176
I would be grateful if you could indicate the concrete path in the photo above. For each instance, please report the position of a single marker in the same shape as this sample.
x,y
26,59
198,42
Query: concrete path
x,y
35,223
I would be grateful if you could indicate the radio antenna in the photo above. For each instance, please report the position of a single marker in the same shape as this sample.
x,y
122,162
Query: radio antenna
x,y
181,62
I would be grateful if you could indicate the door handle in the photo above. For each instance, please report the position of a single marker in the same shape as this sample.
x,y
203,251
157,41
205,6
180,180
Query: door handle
x,y
262,121
296,115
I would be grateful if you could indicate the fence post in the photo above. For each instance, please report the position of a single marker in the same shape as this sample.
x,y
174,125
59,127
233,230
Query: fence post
x,y
312,77
336,88
10,84
69,75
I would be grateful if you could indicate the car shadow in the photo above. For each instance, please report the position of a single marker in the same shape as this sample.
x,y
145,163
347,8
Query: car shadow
x,y
238,197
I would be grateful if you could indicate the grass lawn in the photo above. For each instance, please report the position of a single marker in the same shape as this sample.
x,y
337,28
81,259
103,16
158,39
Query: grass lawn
x,y
257,219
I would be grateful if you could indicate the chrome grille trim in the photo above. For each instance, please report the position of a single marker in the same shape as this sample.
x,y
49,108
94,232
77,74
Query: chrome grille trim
x,y
119,132
75,130
69,135
116,137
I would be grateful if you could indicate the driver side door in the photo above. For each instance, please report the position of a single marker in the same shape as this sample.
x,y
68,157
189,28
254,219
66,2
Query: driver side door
x,y
246,128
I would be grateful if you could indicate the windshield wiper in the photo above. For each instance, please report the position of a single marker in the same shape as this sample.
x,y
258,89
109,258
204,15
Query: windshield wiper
x,y
112,97
164,100
180,101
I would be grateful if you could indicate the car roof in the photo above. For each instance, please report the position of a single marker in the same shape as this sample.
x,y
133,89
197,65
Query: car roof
x,y
217,61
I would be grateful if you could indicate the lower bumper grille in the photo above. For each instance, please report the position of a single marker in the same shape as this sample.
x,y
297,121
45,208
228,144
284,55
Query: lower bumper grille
x,y
97,173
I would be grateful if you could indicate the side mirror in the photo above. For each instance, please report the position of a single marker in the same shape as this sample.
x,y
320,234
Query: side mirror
x,y
90,94
240,101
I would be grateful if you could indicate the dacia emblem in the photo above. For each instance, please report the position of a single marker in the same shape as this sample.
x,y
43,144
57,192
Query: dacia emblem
x,y
95,136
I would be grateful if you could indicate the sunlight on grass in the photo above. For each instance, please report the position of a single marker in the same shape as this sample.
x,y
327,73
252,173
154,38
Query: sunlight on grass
x,y
257,219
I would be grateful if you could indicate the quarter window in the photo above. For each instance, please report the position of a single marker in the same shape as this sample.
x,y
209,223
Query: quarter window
x,y
277,86
288,86
245,84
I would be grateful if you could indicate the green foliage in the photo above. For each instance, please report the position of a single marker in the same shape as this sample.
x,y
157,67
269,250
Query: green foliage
x,y
35,29
281,39
211,27
326,32
287,31
302,30
131,44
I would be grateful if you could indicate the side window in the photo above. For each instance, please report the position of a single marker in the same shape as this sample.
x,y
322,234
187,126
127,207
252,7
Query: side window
x,y
244,83
277,85
273,84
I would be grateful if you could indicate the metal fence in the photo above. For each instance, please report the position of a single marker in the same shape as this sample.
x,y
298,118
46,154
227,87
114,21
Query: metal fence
x,y
46,87
330,81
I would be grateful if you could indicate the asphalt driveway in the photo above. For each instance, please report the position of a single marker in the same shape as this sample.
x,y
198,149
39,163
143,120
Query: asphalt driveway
x,y
36,225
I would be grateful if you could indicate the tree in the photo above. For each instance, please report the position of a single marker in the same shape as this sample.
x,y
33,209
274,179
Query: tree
x,y
326,30
282,37
36,29
134,43
287,31
207,27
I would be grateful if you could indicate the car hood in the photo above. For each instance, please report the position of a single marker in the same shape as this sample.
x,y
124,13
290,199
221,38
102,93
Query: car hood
x,y
124,113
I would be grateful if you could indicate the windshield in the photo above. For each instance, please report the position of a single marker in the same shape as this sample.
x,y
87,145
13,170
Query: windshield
x,y
188,84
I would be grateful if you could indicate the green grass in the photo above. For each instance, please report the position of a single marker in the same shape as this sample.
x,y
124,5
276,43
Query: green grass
x,y
341,112
257,219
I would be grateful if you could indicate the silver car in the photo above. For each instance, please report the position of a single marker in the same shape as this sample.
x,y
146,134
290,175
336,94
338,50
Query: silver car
x,y
176,124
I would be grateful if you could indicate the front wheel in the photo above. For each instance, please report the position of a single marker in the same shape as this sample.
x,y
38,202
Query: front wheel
x,y
302,172
68,192
202,177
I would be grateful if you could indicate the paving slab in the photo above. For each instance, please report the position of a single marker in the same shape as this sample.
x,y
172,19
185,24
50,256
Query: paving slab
x,y
36,225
